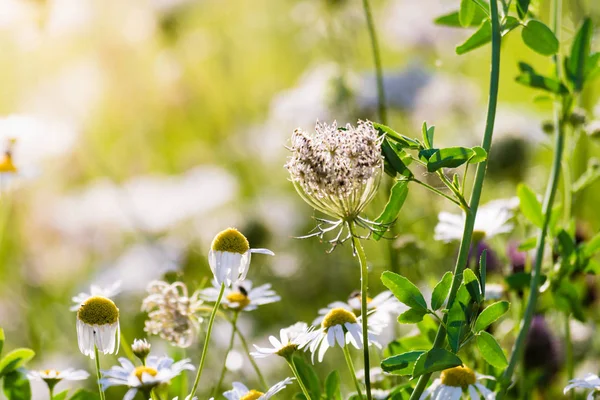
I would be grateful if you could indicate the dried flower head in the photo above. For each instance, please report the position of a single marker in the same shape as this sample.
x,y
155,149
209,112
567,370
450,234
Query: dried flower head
x,y
172,314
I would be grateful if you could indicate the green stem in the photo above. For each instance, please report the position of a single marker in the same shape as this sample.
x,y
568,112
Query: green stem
x,y
298,379
352,371
211,321
377,59
569,349
437,191
262,379
364,285
51,392
126,347
184,379
465,244
541,240
98,375
231,340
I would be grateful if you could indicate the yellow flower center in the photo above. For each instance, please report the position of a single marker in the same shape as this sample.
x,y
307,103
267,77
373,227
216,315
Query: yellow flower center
x,y
7,165
477,236
241,299
252,395
139,371
287,350
98,310
458,377
338,316
230,240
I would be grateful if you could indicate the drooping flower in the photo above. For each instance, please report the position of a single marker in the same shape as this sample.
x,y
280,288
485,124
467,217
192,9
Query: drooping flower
x,y
340,327
241,296
141,349
454,381
95,290
492,219
241,392
172,314
143,378
229,256
290,339
589,381
98,326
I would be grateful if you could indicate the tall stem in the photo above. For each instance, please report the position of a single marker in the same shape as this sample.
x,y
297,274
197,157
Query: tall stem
x,y
377,59
231,340
290,362
98,375
261,378
352,370
559,138
364,286
211,321
126,347
465,243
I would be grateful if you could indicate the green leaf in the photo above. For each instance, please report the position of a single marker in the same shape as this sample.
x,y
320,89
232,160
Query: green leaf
x,y
332,386
580,50
389,214
521,280
394,136
2,338
16,385
466,14
428,135
450,157
15,359
393,158
398,364
528,244
529,205
592,246
522,6
82,394
452,19
435,360
404,290
309,377
483,271
412,316
472,284
61,396
539,38
456,325
482,36
491,314
479,155
590,176
441,290
490,350
529,77
510,24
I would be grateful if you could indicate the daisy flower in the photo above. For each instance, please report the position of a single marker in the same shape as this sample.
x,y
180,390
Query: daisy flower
x,y
454,381
494,291
241,296
95,290
241,392
492,219
141,349
157,370
589,381
229,256
289,341
98,326
53,376
338,326
8,170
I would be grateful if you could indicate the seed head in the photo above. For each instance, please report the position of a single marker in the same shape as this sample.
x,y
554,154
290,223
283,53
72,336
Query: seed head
x,y
98,310
458,377
338,316
230,240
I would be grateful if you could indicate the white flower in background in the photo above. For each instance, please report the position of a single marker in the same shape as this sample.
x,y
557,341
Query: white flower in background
x,y
141,348
589,381
492,219
157,370
53,376
241,392
380,394
241,296
340,327
229,256
95,290
376,374
290,339
494,291
98,326
454,381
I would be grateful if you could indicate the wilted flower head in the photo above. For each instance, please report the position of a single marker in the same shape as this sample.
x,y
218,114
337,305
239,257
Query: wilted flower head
x,y
337,170
98,326
171,312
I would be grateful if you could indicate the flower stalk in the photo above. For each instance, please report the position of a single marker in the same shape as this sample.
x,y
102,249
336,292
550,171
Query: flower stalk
x,y
352,370
290,362
229,348
98,374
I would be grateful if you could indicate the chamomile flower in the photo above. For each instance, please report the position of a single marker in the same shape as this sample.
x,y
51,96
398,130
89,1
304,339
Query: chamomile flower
x,y
589,381
290,339
241,392
454,381
492,219
8,169
229,256
53,376
98,326
340,326
95,290
241,296
141,348
157,370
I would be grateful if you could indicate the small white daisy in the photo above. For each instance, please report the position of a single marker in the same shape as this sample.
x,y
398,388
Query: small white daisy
x,y
241,296
241,392
141,348
229,256
143,378
339,326
492,219
454,381
290,340
589,381
98,326
95,290
494,291
53,376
